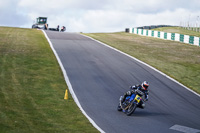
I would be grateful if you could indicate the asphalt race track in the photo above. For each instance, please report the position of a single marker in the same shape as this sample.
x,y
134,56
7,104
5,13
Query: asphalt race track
x,y
99,75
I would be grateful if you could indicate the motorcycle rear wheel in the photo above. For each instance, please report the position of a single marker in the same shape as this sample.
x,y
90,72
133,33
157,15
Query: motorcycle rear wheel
x,y
131,109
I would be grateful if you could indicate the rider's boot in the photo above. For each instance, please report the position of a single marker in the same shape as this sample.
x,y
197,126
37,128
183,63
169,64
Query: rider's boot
x,y
121,99
119,108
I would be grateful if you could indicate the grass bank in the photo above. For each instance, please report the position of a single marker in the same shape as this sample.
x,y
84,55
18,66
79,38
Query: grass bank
x,y
32,87
179,61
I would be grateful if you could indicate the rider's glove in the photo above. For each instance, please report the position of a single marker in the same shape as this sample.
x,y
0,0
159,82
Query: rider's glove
x,y
146,98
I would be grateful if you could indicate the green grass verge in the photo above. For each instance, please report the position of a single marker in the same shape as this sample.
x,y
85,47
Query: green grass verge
x,y
32,87
178,30
178,60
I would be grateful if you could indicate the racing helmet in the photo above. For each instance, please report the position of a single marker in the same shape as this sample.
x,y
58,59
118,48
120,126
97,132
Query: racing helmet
x,y
145,85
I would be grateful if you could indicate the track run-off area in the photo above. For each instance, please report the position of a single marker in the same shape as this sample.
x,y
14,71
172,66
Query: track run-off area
x,y
99,75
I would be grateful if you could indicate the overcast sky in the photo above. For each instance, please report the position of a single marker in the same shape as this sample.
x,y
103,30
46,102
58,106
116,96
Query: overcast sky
x,y
99,15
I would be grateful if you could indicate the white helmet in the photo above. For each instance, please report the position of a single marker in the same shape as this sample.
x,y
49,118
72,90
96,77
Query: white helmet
x,y
145,85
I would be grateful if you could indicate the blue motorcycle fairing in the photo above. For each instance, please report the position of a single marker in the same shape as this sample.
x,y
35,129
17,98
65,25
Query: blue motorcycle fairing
x,y
130,98
127,98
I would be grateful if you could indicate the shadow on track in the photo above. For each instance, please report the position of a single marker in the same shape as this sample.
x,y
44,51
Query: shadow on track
x,y
139,113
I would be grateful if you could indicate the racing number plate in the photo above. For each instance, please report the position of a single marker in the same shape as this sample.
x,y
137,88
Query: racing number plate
x,y
137,98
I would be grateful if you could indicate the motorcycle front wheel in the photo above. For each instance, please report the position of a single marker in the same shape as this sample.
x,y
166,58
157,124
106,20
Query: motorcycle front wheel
x,y
119,107
131,109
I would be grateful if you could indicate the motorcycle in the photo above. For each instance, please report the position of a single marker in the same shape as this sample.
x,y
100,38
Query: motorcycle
x,y
63,29
130,103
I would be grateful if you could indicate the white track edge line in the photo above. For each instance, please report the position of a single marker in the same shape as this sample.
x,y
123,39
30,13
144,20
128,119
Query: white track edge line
x,y
144,64
70,86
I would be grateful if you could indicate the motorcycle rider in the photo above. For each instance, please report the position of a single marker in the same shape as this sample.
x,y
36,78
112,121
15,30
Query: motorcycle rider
x,y
143,87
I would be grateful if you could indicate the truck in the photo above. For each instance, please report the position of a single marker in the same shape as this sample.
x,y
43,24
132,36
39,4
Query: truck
x,y
41,23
